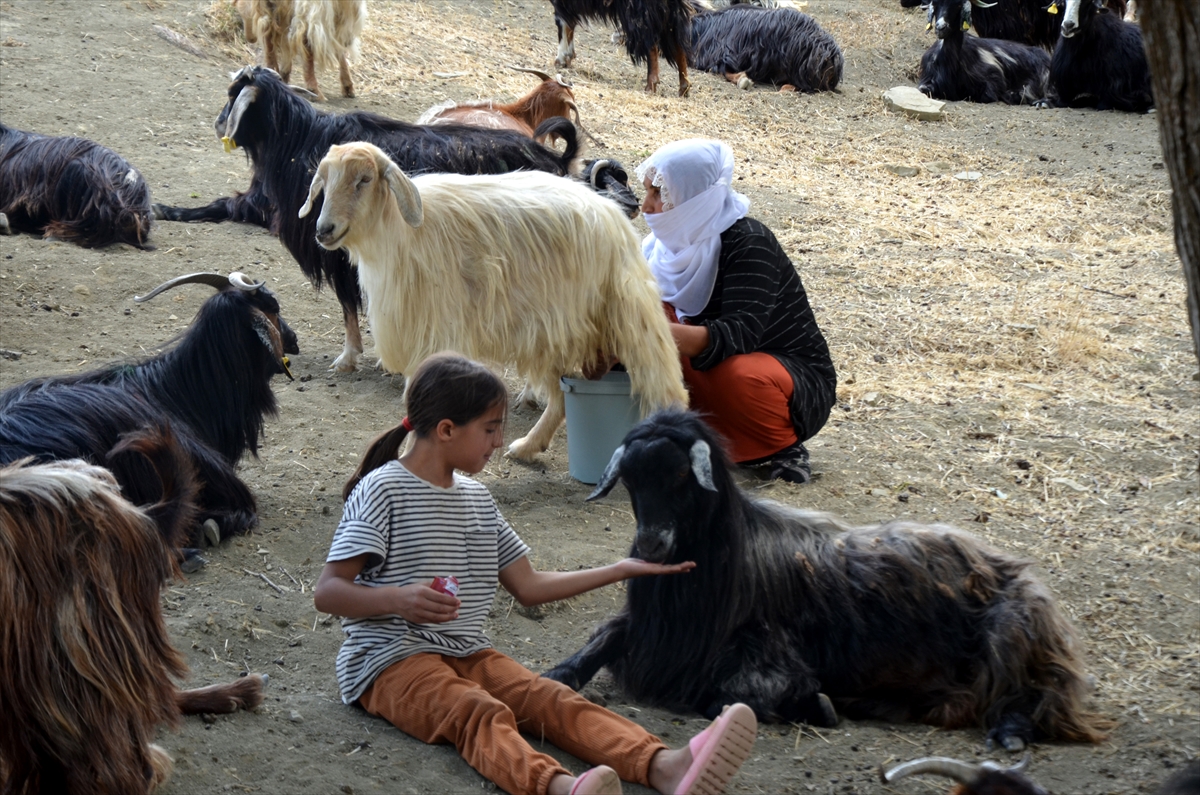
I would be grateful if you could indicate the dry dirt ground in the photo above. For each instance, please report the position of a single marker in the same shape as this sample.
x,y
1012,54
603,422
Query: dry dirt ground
x,y
1013,357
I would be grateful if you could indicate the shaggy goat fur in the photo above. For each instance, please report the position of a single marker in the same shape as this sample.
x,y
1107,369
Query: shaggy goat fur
x,y
1100,61
553,97
522,268
1023,21
89,668
237,338
72,189
285,136
778,46
325,33
961,67
650,28
787,607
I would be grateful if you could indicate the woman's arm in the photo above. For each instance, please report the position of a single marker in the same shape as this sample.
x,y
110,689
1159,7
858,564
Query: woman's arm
x,y
532,587
690,340
337,593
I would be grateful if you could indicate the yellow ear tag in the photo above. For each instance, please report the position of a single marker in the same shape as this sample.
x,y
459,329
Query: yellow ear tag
x,y
1053,9
966,25
286,361
929,26
229,143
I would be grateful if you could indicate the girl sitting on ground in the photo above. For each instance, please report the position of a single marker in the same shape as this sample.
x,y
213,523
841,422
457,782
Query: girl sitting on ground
x,y
418,657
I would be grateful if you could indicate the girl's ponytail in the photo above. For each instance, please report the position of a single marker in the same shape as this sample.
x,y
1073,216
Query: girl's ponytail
x,y
383,448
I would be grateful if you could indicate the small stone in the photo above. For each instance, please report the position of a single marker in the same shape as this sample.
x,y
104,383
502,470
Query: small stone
x,y
295,717
902,171
81,289
968,176
939,167
349,790
879,492
172,317
128,311
12,356
912,102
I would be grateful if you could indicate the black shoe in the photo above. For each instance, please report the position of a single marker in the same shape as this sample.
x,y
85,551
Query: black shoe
x,y
791,465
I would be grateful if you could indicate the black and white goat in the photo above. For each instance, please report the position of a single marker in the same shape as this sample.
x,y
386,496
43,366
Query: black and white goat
x,y
285,137
793,612
1100,61
1032,22
72,189
962,67
649,28
781,46
213,389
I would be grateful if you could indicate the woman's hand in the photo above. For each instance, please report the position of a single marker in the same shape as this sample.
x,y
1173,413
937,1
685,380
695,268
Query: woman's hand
x,y
636,567
689,340
420,604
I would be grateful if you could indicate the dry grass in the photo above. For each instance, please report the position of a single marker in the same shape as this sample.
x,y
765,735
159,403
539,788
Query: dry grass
x,y
1030,296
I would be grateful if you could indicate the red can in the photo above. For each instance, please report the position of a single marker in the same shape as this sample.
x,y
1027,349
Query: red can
x,y
446,585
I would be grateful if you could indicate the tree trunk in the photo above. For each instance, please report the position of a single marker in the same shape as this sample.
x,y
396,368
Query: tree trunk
x,y
1171,29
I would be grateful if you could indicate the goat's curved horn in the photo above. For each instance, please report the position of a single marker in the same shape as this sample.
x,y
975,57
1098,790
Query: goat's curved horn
x,y
981,4
527,70
609,478
701,455
562,81
596,167
961,772
578,123
301,91
211,279
244,99
240,281
1019,767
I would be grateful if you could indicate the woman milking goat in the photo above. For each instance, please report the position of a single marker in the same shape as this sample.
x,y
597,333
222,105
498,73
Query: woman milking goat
x,y
754,360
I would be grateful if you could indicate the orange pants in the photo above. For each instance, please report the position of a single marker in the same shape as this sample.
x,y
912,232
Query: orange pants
x,y
746,399
482,702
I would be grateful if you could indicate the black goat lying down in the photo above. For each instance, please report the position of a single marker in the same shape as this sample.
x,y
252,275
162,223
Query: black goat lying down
x,y
961,67
72,189
213,389
780,46
285,138
788,609
1100,61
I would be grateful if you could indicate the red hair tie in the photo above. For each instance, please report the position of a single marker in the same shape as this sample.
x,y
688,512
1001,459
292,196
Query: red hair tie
x,y
406,424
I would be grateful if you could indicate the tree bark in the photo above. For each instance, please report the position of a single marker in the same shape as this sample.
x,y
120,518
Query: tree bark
x,y
1171,29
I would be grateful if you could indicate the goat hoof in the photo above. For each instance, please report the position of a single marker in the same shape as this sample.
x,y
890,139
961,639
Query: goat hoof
x,y
829,715
346,363
212,533
192,561
523,450
5,229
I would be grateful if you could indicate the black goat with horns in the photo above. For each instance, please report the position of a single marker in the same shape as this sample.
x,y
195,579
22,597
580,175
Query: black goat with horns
x,y
961,67
72,189
792,612
212,389
1099,62
285,138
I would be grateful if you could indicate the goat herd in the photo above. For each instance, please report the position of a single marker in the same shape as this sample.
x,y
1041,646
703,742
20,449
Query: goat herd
x,y
789,611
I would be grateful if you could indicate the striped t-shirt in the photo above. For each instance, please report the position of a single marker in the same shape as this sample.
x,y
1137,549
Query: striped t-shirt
x,y
413,531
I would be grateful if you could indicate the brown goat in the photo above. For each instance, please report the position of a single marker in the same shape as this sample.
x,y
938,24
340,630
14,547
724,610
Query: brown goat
x,y
89,669
553,97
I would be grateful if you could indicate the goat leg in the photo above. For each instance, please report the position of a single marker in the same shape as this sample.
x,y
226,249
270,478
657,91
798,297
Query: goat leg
x,y
539,436
566,44
344,74
251,207
245,693
681,64
348,361
310,71
606,646
652,71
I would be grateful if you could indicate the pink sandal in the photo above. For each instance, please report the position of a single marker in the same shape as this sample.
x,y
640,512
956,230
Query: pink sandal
x,y
600,780
719,751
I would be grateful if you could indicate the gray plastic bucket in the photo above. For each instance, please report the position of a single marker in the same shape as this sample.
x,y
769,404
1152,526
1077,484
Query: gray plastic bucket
x,y
599,414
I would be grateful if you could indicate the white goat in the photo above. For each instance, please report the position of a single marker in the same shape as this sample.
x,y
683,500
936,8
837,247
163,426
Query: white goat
x,y
324,33
527,268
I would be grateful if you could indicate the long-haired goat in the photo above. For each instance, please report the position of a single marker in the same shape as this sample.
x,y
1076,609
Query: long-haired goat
x,y
983,778
788,609
650,28
213,388
89,671
284,137
1032,22
72,189
961,67
324,33
779,46
1100,61
522,268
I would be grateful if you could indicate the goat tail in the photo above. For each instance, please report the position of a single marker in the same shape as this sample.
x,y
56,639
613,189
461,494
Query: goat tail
x,y
556,128
175,508
1034,667
639,336
243,693
329,29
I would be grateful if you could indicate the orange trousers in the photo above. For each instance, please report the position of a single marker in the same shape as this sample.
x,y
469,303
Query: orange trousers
x,y
481,703
746,399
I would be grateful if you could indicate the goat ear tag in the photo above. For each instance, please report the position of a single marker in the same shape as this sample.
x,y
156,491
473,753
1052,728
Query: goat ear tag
x,y
966,25
1053,9
285,361
929,26
228,143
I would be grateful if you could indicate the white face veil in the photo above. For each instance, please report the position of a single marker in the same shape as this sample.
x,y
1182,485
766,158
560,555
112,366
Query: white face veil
x,y
695,178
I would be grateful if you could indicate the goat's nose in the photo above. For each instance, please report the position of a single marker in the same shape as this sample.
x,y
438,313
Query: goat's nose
x,y
324,228
1068,28
941,25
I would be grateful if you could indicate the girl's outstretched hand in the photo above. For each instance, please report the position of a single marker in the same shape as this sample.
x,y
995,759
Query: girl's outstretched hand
x,y
420,604
636,567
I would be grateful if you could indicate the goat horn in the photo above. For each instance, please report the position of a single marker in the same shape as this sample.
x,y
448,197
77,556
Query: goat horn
x,y
238,280
301,91
596,166
961,772
701,455
578,123
244,99
1019,767
609,478
211,279
981,4
527,70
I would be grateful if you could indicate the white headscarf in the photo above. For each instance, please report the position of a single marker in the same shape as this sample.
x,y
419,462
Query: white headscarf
x,y
699,203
